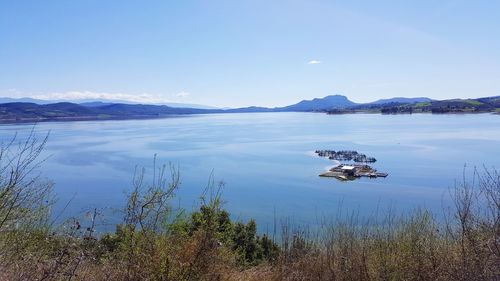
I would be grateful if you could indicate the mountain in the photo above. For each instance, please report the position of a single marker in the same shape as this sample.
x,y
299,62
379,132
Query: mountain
x,y
250,109
31,111
24,110
335,104
493,101
319,104
21,111
189,105
103,102
95,103
418,105
27,100
100,102
401,100
125,110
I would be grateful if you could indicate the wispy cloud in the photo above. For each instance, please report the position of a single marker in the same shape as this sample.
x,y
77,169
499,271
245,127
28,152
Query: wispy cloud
x,y
182,94
146,98
314,62
89,95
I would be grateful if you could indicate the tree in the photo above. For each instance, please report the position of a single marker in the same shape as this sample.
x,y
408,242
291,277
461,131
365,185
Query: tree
x,y
25,197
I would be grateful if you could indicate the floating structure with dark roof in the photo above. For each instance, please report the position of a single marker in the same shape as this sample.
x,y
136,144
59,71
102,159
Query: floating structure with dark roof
x,y
347,171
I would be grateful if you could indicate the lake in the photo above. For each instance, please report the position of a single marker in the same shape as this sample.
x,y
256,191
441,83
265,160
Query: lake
x,y
267,162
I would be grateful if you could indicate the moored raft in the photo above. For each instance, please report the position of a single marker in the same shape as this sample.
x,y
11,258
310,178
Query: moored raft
x,y
349,171
346,155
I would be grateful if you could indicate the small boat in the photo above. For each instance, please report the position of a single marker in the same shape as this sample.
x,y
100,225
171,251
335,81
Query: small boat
x,y
343,178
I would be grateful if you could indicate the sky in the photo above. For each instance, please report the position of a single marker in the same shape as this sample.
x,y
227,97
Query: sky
x,y
241,53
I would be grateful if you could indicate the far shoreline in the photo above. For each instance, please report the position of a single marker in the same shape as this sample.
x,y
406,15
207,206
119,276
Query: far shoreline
x,y
167,116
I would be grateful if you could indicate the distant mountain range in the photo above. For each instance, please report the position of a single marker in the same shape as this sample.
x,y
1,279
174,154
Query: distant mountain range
x,y
35,110
99,102
425,105
401,100
333,101
320,104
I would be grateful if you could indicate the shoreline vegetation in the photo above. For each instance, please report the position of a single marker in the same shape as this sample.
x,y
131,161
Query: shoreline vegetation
x,y
18,112
154,241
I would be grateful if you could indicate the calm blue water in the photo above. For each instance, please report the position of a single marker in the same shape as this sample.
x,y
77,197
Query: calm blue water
x,y
266,160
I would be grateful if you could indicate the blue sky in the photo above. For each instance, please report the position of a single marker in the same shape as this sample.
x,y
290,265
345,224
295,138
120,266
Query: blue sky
x,y
240,53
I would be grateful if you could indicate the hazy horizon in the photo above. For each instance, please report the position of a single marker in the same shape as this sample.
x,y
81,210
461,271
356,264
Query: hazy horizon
x,y
90,100
249,53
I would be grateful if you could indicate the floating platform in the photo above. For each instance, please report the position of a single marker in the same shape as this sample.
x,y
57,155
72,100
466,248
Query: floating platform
x,y
352,172
346,155
346,172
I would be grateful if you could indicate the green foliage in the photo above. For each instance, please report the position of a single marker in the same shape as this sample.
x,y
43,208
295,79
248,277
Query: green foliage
x,y
252,248
242,239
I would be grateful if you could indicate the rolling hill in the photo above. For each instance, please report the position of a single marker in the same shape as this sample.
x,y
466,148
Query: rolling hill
x,y
334,104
